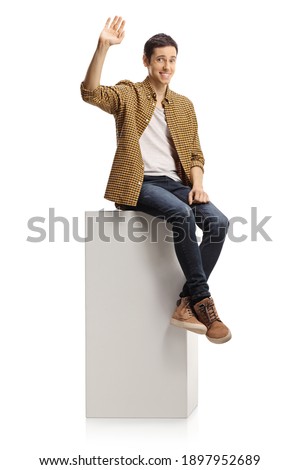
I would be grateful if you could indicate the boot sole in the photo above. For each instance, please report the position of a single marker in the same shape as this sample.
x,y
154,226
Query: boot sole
x,y
201,329
220,340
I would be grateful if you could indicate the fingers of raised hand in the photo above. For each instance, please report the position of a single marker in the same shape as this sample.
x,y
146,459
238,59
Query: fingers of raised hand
x,y
121,28
107,23
115,26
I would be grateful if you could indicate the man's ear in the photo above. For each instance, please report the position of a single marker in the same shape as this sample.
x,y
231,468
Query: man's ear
x,y
145,61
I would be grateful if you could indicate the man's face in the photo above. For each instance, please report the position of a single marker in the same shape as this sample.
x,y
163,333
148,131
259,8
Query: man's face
x,y
162,64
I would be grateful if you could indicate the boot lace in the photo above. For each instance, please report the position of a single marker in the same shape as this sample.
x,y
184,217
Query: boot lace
x,y
189,309
209,311
187,306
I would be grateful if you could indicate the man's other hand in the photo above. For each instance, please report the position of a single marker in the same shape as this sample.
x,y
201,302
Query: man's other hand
x,y
198,196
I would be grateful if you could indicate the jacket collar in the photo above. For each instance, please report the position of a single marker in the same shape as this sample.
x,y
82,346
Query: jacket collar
x,y
151,93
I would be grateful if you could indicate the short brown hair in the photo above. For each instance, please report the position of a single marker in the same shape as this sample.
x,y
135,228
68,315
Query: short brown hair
x,y
158,40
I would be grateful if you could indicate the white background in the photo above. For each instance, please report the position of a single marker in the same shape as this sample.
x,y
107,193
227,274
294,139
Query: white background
x,y
239,63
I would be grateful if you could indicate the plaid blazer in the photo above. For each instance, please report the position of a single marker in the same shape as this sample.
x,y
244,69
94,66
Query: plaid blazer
x,y
132,105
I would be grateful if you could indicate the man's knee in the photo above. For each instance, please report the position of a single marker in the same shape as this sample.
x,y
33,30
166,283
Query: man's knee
x,y
218,227
223,222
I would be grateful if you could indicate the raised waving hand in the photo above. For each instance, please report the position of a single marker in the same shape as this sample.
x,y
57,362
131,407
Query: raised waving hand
x,y
113,31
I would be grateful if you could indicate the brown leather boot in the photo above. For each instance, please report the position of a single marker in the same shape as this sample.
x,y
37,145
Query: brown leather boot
x,y
183,317
206,312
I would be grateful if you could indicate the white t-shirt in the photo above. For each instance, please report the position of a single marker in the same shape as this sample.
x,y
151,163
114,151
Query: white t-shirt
x,y
157,147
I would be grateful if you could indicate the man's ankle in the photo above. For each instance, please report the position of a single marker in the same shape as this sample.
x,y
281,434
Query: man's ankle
x,y
195,300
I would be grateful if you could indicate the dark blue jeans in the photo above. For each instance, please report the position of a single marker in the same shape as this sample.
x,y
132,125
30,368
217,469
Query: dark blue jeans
x,y
165,198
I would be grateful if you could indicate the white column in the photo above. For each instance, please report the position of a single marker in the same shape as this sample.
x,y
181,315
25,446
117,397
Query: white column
x,y
137,364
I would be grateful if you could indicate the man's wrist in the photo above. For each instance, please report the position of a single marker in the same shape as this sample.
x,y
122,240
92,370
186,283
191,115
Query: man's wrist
x,y
103,45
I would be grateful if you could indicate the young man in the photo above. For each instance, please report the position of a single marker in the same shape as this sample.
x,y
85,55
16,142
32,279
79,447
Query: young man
x,y
158,169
